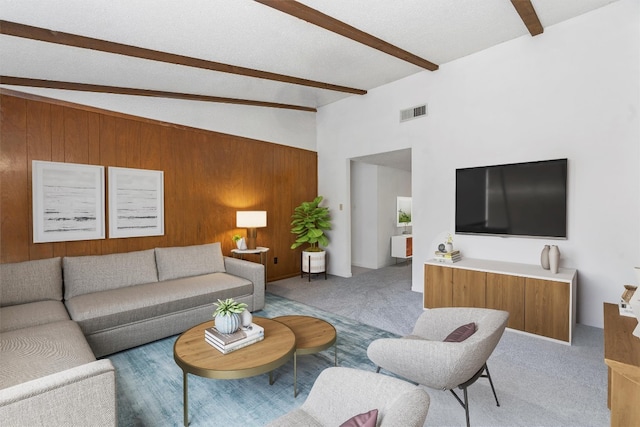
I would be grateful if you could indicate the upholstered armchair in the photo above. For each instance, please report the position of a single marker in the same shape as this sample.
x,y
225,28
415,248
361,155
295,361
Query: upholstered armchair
x,y
339,394
425,358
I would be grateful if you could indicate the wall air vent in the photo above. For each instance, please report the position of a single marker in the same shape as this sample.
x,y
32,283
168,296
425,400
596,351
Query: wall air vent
x,y
413,113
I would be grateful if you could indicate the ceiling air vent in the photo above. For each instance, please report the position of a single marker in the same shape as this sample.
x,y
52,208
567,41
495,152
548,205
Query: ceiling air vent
x,y
413,113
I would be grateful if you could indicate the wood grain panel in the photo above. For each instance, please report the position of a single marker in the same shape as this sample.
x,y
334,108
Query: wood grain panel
x,y
14,199
438,286
505,292
469,288
208,176
547,308
38,148
108,156
57,155
76,150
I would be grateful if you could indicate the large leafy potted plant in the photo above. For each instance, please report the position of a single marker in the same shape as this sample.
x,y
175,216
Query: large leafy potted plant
x,y
309,223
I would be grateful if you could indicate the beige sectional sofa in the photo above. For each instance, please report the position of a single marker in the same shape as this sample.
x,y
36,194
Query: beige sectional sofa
x,y
58,315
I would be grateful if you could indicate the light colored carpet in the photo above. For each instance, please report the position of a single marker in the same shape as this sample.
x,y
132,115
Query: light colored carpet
x,y
539,382
149,383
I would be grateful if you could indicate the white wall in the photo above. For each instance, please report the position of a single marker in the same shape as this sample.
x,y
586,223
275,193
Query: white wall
x,y
571,92
364,215
373,218
391,184
286,127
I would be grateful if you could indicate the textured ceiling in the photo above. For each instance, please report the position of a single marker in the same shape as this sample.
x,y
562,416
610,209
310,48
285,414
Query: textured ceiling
x,y
249,34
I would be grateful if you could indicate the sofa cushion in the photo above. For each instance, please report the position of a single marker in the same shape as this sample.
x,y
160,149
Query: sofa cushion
x,y
34,352
32,314
186,261
110,309
87,274
31,281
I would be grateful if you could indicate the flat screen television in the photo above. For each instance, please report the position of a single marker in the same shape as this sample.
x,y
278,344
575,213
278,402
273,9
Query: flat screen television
x,y
518,199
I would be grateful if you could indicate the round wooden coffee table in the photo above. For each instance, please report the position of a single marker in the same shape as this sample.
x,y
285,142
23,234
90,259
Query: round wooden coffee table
x,y
312,336
194,356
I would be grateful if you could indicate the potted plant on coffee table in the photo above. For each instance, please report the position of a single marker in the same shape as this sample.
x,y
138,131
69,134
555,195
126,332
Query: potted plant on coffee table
x,y
227,315
309,223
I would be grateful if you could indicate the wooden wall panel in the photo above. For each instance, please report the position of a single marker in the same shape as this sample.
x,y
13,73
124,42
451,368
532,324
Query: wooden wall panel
x,y
38,148
14,181
207,178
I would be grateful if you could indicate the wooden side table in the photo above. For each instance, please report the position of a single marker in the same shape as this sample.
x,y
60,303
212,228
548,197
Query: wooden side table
x,y
260,250
312,336
622,356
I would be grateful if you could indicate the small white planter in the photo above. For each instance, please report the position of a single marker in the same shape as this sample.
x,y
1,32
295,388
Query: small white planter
x,y
314,262
241,244
227,324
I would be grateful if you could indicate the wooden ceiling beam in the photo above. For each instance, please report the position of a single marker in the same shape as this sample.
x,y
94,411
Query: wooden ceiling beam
x,y
329,23
51,84
57,37
529,16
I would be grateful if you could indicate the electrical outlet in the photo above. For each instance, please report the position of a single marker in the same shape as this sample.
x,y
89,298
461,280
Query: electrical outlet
x,y
275,259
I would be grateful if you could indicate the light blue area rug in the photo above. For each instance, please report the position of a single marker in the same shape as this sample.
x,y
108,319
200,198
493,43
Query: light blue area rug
x,y
149,383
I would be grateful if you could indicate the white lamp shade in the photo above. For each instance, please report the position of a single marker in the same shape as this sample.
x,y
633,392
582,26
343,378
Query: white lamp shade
x,y
251,219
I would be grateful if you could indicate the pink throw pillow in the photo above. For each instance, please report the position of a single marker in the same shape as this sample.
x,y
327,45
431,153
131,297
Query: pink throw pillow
x,y
461,333
367,419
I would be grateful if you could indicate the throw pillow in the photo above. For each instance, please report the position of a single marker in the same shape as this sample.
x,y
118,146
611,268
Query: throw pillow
x,y
367,419
461,333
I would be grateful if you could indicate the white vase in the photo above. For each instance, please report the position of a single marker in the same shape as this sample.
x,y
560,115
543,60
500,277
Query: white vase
x,y
313,262
227,324
544,257
554,258
246,318
241,244
448,247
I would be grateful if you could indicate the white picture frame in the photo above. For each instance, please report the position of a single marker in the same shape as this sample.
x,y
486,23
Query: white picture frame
x,y
136,202
67,201
404,207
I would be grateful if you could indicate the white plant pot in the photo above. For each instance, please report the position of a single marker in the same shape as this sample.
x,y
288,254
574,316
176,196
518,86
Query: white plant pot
x,y
314,262
241,244
227,324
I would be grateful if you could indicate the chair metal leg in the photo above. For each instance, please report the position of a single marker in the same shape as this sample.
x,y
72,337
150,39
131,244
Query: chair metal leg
x,y
488,375
465,404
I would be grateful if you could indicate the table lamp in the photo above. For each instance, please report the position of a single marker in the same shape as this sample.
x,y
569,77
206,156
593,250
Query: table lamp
x,y
251,220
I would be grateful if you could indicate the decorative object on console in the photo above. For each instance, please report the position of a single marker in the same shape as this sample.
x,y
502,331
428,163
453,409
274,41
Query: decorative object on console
x,y
554,258
227,315
447,257
625,306
544,257
241,243
448,245
251,220
635,304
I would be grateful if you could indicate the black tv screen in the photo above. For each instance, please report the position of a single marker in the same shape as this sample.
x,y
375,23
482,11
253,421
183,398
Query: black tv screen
x,y
519,199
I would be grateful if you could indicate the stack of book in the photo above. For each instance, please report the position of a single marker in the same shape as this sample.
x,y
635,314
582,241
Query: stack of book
x,y
226,343
448,257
